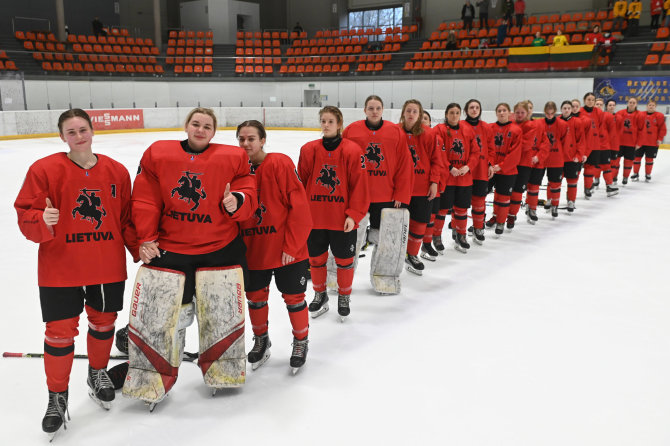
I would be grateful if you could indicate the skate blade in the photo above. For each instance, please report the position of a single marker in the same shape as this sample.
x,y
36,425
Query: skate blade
x,y
414,271
611,194
343,318
104,404
459,248
261,361
318,313
152,406
440,251
530,222
425,255
295,370
477,241
496,235
52,435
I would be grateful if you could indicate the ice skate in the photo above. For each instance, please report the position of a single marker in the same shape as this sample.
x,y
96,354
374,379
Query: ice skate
x,y
491,222
647,178
437,243
117,374
54,418
343,306
554,212
511,219
428,253
461,244
596,183
588,193
635,177
319,305
547,205
299,354
100,387
624,180
260,351
414,265
571,206
500,227
122,339
454,233
531,216
612,191
479,236
615,181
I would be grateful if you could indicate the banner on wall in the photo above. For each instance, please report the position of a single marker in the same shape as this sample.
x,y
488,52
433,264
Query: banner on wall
x,y
116,119
642,88
543,58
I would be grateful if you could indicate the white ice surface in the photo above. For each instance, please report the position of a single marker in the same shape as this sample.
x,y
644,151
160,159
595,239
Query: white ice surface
x,y
555,334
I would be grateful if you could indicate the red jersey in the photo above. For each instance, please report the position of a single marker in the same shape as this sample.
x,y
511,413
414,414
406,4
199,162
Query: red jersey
x,y
505,145
178,194
557,135
541,144
607,129
387,160
530,139
335,182
282,222
652,128
573,145
426,155
86,246
594,120
481,129
628,129
460,149
614,135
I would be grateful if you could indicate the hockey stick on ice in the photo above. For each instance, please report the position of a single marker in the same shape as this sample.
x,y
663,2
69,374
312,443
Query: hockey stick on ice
x,y
188,356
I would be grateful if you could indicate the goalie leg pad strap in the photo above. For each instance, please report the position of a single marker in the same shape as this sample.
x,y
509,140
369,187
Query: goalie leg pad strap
x,y
220,312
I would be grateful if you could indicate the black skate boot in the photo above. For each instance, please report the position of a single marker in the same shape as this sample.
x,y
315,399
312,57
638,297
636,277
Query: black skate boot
x,y
547,205
612,191
343,306
571,206
531,216
624,180
428,253
117,374
260,352
122,339
319,305
499,229
461,244
54,418
596,183
588,192
100,387
299,354
437,243
491,222
635,177
414,265
479,236
554,212
647,178
454,233
511,219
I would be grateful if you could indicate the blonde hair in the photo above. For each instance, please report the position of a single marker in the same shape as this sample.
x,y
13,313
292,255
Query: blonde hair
x,y
202,110
524,105
417,128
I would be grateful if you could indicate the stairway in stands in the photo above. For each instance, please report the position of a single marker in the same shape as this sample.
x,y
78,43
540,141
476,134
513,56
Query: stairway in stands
x,y
397,62
632,51
224,61
23,59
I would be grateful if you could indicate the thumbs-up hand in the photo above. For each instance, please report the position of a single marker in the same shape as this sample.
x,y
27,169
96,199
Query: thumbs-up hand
x,y
229,200
50,214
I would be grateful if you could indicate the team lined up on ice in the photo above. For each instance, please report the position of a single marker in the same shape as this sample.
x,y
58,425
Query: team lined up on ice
x,y
198,207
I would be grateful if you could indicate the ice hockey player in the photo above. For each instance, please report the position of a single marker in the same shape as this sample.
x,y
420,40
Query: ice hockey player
x,y
276,240
556,131
628,136
332,170
428,251
81,260
597,150
651,135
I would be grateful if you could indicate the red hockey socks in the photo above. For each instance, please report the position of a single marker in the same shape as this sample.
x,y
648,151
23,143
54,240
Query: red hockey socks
x,y
607,174
439,222
430,227
501,205
345,274
572,189
589,172
416,233
258,310
648,165
614,165
515,203
478,211
459,220
298,314
533,195
627,167
637,164
319,271
554,193
100,337
59,352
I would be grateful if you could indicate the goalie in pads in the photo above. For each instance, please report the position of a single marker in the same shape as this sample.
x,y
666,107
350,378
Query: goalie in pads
x,y
188,199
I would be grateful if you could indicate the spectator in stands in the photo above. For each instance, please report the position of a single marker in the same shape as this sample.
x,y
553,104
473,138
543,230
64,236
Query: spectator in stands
x,y
634,10
467,15
666,12
519,12
607,46
619,12
502,31
594,38
656,7
560,39
538,40
483,43
452,43
298,28
98,28
484,13
508,10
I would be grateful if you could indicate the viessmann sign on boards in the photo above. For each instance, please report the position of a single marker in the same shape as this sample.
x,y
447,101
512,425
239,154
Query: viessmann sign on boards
x,y
116,119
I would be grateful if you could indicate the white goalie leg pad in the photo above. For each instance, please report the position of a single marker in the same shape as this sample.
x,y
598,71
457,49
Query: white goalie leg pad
x,y
388,257
331,281
154,347
220,311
